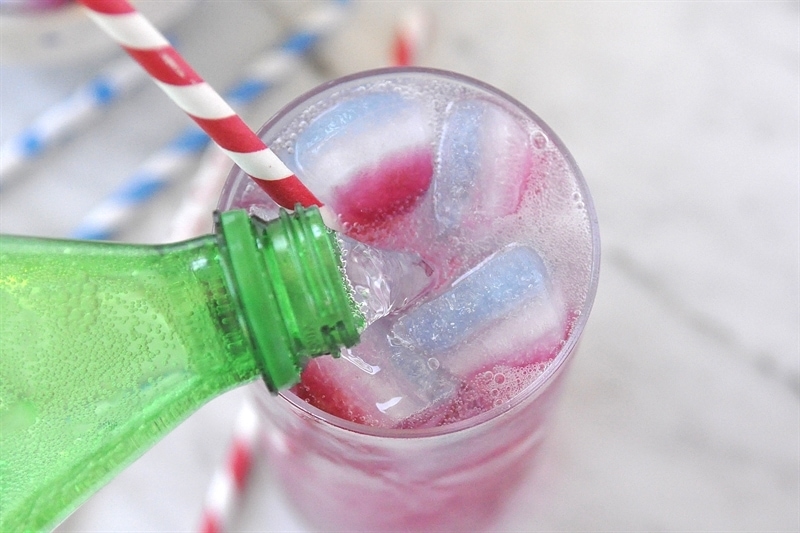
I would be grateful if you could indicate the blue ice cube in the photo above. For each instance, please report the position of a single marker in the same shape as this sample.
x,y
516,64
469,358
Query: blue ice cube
x,y
459,150
430,383
485,294
484,160
347,119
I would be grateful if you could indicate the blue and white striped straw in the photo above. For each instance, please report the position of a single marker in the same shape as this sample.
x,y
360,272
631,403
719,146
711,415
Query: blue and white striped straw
x,y
166,165
57,123
193,217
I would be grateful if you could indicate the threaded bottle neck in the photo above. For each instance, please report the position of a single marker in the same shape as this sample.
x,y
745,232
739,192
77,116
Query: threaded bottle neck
x,y
288,278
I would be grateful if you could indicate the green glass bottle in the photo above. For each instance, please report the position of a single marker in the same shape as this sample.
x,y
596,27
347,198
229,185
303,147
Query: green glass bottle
x,y
106,347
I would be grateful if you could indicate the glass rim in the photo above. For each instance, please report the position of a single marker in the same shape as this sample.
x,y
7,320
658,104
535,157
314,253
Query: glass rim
x,y
538,385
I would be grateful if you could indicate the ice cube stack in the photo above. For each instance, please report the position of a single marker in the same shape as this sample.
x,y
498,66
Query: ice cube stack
x,y
405,175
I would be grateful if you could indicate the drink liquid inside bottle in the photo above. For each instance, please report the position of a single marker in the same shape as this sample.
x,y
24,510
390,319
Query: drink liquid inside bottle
x,y
106,347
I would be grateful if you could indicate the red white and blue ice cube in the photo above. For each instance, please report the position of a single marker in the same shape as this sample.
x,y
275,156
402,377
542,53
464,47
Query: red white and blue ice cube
x,y
484,159
501,311
369,158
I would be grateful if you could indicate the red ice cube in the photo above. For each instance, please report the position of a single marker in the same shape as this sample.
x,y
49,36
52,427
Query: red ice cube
x,y
379,193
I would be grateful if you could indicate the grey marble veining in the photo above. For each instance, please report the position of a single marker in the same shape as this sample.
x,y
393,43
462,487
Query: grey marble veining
x,y
682,410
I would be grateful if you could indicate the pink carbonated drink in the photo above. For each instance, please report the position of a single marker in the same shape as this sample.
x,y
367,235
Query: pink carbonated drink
x,y
430,422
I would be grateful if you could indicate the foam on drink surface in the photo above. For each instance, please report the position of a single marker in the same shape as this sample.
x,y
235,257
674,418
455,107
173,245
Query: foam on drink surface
x,y
458,176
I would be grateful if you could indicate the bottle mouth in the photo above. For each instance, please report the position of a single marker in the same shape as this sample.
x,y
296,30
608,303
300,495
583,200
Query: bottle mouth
x,y
288,279
309,256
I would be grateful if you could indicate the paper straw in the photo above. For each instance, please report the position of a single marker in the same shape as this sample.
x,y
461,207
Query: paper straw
x,y
411,37
229,481
198,100
104,220
115,81
169,163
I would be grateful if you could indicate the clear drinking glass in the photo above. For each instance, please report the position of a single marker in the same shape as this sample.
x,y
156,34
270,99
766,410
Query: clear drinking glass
x,y
458,172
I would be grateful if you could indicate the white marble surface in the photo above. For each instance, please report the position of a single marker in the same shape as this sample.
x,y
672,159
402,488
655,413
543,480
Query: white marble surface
x,y
682,413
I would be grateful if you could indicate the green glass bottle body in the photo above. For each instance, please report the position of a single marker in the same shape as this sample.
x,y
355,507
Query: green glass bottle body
x,y
105,347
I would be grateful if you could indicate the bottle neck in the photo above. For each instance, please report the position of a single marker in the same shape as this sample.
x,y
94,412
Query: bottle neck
x,y
287,277
209,268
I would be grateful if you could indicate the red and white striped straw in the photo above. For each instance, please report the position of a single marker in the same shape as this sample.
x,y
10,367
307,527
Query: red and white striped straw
x,y
230,481
137,36
411,36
